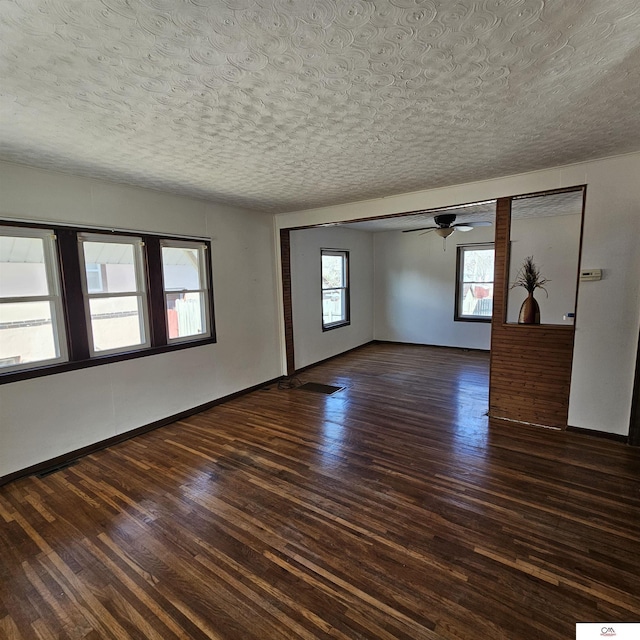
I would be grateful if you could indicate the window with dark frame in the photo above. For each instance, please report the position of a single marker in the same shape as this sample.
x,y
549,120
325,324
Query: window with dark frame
x,y
32,328
184,283
335,288
72,298
474,283
116,301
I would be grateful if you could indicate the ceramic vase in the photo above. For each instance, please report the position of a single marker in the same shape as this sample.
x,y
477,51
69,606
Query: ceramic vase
x,y
529,311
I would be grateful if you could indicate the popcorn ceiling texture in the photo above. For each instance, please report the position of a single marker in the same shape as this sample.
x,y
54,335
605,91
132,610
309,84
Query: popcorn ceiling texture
x,y
279,105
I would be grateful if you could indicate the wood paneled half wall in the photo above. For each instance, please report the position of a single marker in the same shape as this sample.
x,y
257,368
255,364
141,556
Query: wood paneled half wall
x,y
530,364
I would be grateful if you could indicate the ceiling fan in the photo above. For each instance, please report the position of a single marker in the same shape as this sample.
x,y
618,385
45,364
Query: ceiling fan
x,y
445,226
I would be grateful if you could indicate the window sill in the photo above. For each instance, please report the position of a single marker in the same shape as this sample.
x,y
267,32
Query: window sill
x,y
40,371
337,325
486,320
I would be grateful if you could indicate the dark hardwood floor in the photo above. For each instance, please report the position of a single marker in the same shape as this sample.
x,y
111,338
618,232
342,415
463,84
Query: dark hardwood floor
x,y
388,510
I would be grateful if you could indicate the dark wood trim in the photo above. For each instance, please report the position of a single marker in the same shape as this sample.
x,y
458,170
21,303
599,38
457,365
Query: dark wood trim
x,y
549,192
437,346
634,421
73,301
416,212
337,325
401,214
337,355
211,298
285,266
575,304
155,292
457,287
67,458
599,434
500,274
48,224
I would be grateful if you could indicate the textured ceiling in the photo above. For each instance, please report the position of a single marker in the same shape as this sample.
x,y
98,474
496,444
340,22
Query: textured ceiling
x,y
557,204
289,104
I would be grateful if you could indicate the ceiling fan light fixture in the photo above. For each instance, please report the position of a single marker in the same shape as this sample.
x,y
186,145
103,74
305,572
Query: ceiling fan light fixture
x,y
444,232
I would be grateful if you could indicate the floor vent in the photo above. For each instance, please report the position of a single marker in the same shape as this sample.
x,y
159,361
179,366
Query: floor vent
x,y
316,387
50,470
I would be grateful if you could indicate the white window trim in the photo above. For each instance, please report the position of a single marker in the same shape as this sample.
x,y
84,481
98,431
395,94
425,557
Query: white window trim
x,y
54,298
140,293
201,247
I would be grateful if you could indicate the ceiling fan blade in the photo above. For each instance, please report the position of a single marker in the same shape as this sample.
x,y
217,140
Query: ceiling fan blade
x,y
428,231
422,229
479,223
462,227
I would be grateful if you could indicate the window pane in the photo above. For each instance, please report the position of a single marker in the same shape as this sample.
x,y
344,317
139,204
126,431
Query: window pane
x,y
94,278
477,299
333,306
185,312
26,333
110,267
332,271
478,265
23,271
115,322
181,268
474,289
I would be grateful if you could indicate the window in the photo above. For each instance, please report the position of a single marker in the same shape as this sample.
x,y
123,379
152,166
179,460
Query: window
x,y
94,277
335,289
114,292
474,283
72,298
31,318
185,289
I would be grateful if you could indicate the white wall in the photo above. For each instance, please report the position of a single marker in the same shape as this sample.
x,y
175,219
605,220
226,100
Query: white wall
x,y
554,243
311,343
49,416
415,283
608,311
607,330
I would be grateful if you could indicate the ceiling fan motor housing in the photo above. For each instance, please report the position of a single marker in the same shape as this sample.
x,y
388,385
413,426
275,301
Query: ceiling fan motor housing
x,y
445,219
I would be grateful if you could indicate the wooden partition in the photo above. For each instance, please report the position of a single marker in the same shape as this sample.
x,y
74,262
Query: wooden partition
x,y
530,364
285,263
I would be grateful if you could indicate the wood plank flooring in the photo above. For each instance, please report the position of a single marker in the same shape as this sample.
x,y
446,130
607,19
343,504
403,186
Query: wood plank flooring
x,y
388,510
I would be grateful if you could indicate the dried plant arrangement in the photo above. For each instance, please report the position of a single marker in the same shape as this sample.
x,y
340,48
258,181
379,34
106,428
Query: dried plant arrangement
x,y
529,277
